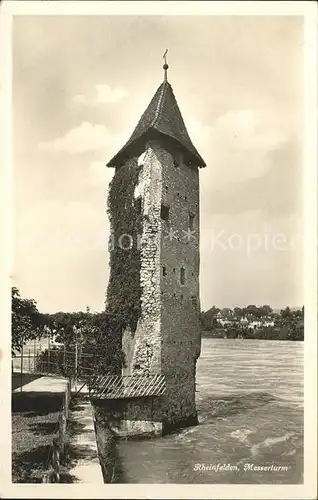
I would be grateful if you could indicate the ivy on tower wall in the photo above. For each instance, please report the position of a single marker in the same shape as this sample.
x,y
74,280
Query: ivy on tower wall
x,y
125,216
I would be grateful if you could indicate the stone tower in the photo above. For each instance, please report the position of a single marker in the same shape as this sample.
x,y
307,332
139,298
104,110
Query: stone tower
x,y
166,338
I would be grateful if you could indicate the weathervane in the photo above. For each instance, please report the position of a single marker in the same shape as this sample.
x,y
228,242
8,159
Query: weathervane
x,y
165,66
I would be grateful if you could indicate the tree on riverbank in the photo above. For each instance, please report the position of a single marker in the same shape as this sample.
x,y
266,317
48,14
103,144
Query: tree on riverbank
x,y
96,337
26,320
291,322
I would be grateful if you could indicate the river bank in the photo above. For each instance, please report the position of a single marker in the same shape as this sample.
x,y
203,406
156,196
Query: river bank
x,y
268,333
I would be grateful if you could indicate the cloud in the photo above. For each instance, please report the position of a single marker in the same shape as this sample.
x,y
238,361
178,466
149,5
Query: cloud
x,y
236,146
100,94
248,129
84,137
107,94
253,162
99,174
271,182
200,134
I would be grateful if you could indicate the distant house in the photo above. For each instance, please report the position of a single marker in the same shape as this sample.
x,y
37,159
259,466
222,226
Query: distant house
x,y
269,323
255,324
224,318
244,320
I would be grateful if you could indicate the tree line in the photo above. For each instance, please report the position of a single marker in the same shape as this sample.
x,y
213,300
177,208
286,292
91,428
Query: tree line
x,y
258,322
100,333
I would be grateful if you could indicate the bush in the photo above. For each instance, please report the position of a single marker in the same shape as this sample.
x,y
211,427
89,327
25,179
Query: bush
x,y
99,351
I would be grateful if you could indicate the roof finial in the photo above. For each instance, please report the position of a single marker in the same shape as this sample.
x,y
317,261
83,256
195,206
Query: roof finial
x,y
165,66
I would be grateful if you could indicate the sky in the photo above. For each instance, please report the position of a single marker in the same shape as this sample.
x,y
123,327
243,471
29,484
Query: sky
x,y
80,84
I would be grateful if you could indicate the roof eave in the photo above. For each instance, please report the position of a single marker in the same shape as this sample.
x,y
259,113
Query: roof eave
x,y
133,147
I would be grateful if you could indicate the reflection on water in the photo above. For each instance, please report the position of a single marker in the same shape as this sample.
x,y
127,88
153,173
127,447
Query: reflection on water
x,y
250,405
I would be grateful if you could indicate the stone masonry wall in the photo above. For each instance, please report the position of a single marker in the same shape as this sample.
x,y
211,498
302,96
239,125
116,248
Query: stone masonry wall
x,y
180,320
143,349
147,341
168,335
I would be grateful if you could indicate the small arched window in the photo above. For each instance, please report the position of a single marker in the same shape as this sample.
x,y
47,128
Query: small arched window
x,y
164,213
138,206
191,221
182,276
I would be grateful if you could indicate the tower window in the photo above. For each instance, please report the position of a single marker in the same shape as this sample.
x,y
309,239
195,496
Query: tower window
x,y
175,163
191,222
164,213
138,206
164,271
182,276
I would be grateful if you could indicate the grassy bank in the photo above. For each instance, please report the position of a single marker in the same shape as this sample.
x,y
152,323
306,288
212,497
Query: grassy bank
x,y
32,436
35,424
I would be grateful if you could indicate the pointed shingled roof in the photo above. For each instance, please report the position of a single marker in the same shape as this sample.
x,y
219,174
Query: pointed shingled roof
x,y
162,117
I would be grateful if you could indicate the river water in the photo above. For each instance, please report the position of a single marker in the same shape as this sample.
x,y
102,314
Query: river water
x,y
250,407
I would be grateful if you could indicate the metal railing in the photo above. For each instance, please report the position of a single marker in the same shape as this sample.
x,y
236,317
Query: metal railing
x,y
65,361
128,386
80,367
